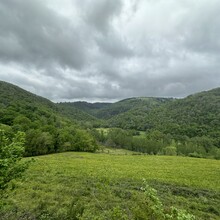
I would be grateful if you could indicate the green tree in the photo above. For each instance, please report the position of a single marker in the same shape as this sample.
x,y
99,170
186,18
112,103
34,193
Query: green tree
x,y
38,143
21,123
11,152
171,149
83,141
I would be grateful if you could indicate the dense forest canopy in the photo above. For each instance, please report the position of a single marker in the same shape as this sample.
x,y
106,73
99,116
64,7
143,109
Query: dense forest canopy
x,y
188,126
46,127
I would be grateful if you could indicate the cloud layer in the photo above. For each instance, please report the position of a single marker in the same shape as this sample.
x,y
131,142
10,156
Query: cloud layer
x,y
108,50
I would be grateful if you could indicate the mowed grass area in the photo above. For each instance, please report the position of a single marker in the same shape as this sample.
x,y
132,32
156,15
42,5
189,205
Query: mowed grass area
x,y
67,185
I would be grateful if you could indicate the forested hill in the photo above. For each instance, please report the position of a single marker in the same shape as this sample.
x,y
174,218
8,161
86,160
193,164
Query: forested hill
x,y
109,110
135,111
10,93
195,115
188,126
47,127
82,112
91,108
51,127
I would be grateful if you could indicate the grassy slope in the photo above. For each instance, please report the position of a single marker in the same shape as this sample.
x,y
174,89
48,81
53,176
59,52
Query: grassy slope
x,y
99,182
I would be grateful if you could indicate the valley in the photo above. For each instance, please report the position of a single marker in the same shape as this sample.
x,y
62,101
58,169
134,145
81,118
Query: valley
x,y
139,158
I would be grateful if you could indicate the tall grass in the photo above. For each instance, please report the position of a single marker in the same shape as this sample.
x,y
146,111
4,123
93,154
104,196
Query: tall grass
x,y
65,185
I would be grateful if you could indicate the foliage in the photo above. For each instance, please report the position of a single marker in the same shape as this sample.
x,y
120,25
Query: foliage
x,y
83,141
71,111
11,153
196,116
75,185
48,128
193,123
156,142
156,209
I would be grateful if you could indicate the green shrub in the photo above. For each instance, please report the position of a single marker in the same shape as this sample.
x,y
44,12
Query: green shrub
x,y
170,150
156,209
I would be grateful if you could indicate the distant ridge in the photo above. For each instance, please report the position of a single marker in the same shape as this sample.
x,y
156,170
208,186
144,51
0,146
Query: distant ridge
x,y
108,110
196,115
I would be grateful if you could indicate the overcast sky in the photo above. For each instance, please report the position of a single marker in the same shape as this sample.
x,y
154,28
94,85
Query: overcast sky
x,y
106,50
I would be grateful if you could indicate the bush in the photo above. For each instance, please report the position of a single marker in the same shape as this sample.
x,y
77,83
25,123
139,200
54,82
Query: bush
x,y
170,150
83,141
156,209
195,154
11,153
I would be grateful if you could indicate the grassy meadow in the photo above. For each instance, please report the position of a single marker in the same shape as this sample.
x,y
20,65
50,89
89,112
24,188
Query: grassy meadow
x,y
75,185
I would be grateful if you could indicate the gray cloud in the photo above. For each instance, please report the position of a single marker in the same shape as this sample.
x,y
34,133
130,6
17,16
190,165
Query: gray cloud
x,y
100,13
33,34
201,27
114,46
109,50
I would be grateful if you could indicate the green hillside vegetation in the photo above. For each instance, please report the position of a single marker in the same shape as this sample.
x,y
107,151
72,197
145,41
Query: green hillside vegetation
x,y
109,110
130,138
46,127
81,117
195,115
145,104
137,116
101,186
91,108
189,126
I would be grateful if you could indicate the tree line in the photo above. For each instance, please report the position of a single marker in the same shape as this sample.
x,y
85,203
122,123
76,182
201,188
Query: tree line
x,y
45,132
158,143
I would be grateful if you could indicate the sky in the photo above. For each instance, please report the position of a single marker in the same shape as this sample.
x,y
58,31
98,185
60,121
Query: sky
x,y
107,50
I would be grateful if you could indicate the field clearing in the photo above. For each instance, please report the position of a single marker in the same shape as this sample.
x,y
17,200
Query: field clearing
x,y
106,130
193,172
55,181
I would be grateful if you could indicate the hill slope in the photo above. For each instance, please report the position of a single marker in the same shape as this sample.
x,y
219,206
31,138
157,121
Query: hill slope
x,y
47,128
136,110
109,110
15,101
199,111
91,108
195,115
79,114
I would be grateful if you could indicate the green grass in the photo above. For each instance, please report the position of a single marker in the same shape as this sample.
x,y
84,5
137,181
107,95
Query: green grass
x,y
117,151
62,184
